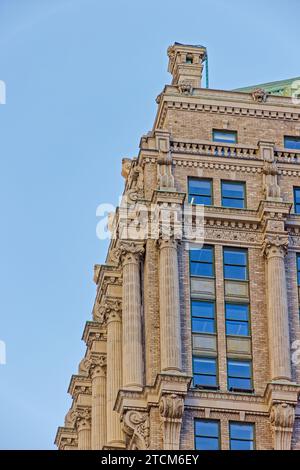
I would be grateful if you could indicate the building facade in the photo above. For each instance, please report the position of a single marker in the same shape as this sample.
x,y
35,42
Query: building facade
x,y
195,337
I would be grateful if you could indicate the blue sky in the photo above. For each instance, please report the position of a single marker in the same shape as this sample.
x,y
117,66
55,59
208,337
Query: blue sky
x,y
81,78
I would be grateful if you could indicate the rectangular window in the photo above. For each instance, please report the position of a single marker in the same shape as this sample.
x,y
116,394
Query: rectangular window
x,y
297,200
239,375
203,316
202,262
237,319
241,436
207,434
233,194
228,137
200,191
292,142
205,372
235,264
298,269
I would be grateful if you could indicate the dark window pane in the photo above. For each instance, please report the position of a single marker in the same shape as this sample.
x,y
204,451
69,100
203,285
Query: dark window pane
x,y
235,257
292,143
241,431
198,186
242,384
235,203
237,312
297,195
204,200
204,366
203,309
239,369
203,325
235,272
224,136
203,255
202,269
237,328
233,190
205,380
241,445
207,428
207,443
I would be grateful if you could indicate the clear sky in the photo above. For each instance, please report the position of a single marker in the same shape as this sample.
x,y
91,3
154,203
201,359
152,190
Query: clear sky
x,y
81,78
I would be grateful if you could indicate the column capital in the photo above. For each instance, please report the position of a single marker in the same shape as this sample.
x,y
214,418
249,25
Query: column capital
x,y
96,365
128,252
81,417
110,310
167,243
275,246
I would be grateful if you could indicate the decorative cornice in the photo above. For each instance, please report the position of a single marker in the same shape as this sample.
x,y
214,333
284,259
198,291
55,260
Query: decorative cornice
x,y
66,437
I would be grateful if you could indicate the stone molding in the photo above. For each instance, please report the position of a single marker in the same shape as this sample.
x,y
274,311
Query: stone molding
x,y
136,426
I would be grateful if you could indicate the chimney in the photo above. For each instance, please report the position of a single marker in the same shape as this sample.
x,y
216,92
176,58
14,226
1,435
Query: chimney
x,y
186,64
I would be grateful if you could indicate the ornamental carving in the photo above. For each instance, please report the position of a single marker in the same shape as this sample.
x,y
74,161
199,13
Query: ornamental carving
x,y
185,88
282,419
137,429
127,252
171,411
110,310
82,418
96,364
259,95
275,245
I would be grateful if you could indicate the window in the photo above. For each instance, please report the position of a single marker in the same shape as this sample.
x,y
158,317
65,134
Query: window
x,y
207,434
228,137
292,142
241,436
233,194
200,191
235,264
298,268
205,372
297,200
189,59
239,375
203,317
237,319
201,262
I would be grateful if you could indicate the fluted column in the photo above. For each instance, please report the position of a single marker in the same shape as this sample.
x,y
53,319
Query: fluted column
x,y
114,373
98,375
131,316
170,337
83,426
278,322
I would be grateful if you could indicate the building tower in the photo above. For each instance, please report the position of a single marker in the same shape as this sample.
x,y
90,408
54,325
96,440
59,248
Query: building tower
x,y
195,336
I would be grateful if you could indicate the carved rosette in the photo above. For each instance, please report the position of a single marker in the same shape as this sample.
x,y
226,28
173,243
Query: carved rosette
x,y
171,411
275,245
136,426
282,419
81,418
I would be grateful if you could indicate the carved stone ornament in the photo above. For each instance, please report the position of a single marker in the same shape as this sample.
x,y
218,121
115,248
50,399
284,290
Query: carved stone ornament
x,y
171,411
275,245
110,310
185,88
126,166
96,364
259,95
282,419
137,429
127,251
82,418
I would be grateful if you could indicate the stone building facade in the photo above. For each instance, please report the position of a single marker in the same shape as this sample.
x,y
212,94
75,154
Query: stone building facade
x,y
196,345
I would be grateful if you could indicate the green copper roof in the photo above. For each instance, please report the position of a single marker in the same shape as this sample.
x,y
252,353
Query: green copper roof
x,y
281,88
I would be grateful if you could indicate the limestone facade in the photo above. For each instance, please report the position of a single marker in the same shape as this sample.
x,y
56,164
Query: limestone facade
x,y
134,388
